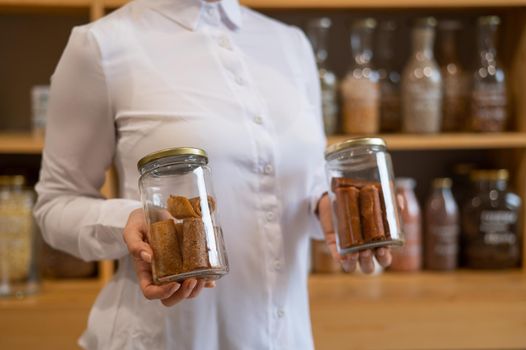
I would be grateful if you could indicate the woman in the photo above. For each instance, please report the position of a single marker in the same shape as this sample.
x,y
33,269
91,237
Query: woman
x,y
167,73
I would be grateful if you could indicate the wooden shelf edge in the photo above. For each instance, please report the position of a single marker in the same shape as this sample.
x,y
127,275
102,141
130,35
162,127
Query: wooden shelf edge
x,y
447,141
45,4
21,143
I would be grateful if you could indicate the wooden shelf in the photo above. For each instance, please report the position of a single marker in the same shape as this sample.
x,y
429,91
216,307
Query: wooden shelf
x,y
460,310
21,143
381,3
448,141
38,4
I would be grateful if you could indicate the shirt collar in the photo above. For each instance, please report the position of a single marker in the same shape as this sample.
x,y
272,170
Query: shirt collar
x,y
188,12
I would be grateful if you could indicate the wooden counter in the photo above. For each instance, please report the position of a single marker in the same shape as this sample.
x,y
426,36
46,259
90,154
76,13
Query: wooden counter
x,y
463,310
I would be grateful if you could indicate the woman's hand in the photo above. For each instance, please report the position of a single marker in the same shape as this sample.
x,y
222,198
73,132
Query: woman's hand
x,y
383,255
170,293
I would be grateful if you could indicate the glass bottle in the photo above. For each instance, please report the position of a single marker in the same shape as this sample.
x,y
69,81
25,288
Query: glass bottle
x,y
422,83
18,272
441,227
389,78
360,87
318,30
409,257
489,99
455,104
490,223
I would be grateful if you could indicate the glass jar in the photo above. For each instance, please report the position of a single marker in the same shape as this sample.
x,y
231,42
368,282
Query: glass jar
x,y
422,83
441,227
360,88
318,30
181,213
489,96
455,104
490,223
409,257
389,78
362,195
322,260
18,270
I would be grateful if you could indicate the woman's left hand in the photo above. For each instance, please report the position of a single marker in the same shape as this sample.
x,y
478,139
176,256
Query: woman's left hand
x,y
349,262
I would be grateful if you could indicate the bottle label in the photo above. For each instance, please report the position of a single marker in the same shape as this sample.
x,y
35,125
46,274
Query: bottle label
x,y
444,240
422,108
488,110
496,227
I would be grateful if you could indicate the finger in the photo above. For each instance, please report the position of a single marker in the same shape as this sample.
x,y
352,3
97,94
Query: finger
x,y
349,262
149,289
184,292
197,289
366,261
384,257
210,284
137,247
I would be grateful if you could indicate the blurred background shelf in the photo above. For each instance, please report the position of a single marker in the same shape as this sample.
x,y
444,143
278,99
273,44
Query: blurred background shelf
x,y
448,141
412,311
20,143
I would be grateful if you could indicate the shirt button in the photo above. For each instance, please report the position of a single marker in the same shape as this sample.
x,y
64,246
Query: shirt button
x,y
268,169
210,11
270,216
277,265
225,43
281,313
258,120
240,80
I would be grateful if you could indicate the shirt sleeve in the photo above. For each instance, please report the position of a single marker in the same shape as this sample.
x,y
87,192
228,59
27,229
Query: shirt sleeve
x,y
79,148
319,181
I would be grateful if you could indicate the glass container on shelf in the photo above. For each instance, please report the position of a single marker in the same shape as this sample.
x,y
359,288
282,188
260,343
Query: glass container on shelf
x,y
390,113
58,264
409,257
318,30
441,228
489,96
18,270
360,87
455,104
490,223
422,83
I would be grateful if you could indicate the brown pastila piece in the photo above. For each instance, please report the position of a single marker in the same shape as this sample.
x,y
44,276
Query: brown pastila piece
x,y
181,208
338,182
195,254
371,214
387,231
348,216
164,241
196,205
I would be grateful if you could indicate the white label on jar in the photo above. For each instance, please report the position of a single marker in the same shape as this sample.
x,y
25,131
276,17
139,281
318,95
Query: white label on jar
x,y
489,109
444,239
422,108
495,224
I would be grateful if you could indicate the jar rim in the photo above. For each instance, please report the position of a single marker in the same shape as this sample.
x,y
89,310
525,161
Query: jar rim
x,y
354,142
171,152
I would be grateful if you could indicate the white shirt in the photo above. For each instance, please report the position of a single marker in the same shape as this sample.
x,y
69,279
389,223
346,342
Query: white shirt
x,y
168,73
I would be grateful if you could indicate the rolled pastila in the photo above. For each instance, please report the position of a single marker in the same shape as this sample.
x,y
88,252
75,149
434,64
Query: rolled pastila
x,y
195,253
196,205
371,212
348,216
165,242
181,208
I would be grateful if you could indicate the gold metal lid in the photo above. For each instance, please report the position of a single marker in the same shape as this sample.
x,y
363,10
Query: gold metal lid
x,y
12,180
171,152
490,175
442,182
354,142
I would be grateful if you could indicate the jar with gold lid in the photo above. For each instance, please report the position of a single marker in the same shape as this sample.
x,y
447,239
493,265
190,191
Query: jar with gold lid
x,y
181,213
362,195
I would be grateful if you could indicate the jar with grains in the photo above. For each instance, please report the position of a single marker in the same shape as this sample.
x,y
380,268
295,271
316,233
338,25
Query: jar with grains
x,y
18,270
489,96
409,257
318,31
181,213
490,222
441,228
422,83
455,104
362,194
360,87
390,113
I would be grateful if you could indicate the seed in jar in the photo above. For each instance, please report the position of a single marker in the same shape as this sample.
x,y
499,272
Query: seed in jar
x,y
181,208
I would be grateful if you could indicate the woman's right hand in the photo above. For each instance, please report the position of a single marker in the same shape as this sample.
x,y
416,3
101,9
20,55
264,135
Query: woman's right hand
x,y
170,293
